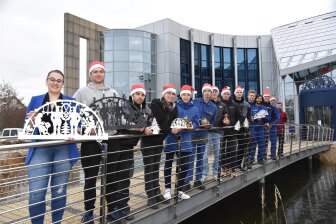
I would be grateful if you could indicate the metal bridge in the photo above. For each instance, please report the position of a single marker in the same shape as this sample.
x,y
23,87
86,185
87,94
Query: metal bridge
x,y
301,141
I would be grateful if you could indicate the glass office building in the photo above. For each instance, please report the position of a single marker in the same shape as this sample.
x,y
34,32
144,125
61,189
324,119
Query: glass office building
x,y
129,57
294,61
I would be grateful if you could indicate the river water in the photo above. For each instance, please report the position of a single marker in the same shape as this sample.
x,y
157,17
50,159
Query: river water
x,y
308,193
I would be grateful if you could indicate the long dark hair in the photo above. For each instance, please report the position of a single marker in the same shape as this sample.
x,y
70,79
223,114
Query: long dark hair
x,y
262,99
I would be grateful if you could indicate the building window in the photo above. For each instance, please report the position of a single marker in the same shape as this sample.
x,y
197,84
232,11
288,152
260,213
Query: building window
x,y
185,62
202,67
224,73
248,69
129,56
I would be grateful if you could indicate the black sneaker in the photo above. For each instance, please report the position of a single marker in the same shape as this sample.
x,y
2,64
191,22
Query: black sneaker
x,y
115,217
152,203
161,199
186,187
126,213
87,218
198,184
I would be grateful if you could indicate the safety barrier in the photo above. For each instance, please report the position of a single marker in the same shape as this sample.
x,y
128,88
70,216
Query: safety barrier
x,y
125,186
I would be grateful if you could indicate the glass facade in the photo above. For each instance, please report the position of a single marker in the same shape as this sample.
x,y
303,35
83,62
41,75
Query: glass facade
x,y
202,62
185,59
129,57
248,69
224,69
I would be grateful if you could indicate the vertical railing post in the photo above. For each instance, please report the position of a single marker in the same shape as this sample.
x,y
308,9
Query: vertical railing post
x,y
313,135
291,143
177,176
103,147
307,139
300,137
318,134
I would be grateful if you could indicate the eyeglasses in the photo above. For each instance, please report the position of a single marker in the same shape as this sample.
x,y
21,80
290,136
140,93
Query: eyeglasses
x,y
58,81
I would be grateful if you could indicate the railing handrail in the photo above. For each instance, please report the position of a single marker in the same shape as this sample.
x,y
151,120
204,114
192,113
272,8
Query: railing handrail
x,y
118,136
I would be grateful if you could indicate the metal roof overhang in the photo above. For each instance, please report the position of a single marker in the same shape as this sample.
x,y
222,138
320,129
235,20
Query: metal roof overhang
x,y
300,67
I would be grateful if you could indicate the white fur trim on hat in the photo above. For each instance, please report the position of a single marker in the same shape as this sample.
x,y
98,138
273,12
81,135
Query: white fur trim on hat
x,y
138,90
225,91
206,87
185,91
169,90
95,66
242,89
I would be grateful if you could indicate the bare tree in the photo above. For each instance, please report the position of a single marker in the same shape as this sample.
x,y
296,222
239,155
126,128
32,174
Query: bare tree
x,y
12,110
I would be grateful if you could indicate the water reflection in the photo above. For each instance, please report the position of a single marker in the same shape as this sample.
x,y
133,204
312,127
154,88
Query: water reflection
x,y
308,196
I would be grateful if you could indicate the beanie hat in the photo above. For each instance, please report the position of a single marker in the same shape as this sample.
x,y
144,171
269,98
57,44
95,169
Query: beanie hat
x,y
266,91
168,88
215,88
96,64
138,88
226,89
238,88
206,86
186,89
272,98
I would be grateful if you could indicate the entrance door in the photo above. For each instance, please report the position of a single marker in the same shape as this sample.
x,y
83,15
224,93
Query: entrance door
x,y
319,116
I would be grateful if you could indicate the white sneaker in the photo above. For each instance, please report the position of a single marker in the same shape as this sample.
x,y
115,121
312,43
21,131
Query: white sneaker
x,y
167,194
182,195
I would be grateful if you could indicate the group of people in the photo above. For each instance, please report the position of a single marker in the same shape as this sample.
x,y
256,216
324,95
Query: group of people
x,y
215,116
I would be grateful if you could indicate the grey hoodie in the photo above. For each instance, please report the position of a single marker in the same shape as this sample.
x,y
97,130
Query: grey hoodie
x,y
90,93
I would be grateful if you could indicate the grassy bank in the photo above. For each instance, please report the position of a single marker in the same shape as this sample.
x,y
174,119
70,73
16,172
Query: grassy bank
x,y
329,157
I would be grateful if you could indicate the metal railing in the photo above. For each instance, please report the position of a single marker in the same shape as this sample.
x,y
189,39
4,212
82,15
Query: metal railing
x,y
120,173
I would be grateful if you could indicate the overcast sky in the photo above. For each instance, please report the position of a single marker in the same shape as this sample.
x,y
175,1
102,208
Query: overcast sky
x,y
31,31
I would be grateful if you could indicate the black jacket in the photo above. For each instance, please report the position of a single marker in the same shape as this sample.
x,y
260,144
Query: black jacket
x,y
141,111
234,114
244,108
221,111
164,119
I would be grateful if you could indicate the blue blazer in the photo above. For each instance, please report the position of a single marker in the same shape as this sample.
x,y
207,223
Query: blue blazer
x,y
35,103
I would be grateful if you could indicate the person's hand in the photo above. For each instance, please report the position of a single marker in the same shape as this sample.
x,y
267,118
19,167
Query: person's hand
x,y
31,115
175,130
70,139
148,131
190,128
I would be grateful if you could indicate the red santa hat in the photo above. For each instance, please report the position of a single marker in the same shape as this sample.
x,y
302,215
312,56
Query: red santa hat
x,y
96,64
186,89
272,98
214,88
266,91
138,88
168,88
226,89
206,86
238,88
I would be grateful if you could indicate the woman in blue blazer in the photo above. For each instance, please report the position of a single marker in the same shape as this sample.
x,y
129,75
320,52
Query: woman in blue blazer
x,y
49,163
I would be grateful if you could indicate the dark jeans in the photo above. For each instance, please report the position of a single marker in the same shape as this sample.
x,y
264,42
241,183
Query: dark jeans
x,y
243,139
91,163
229,153
124,168
281,137
184,165
151,159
